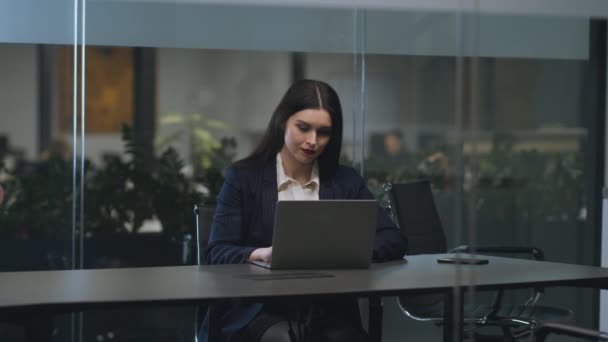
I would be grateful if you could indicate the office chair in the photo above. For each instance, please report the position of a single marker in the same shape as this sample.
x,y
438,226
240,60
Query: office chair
x,y
544,329
413,209
203,214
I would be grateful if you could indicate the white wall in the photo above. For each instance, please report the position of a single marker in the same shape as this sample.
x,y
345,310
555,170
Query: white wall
x,y
406,28
237,87
19,97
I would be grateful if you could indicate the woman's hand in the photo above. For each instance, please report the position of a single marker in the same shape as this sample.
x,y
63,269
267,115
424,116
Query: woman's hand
x,y
261,254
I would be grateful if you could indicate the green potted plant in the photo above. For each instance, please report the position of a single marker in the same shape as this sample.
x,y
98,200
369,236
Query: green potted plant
x,y
125,192
119,197
209,156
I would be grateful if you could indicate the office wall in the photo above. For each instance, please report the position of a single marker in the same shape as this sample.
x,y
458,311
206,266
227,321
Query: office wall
x,y
419,30
238,88
187,84
19,97
232,63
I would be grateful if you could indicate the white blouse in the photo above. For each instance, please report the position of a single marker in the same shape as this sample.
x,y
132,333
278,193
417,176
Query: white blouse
x,y
290,189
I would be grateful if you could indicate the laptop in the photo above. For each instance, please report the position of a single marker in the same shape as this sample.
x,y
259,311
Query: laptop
x,y
323,234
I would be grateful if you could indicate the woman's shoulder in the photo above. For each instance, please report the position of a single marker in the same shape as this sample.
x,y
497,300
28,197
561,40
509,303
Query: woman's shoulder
x,y
347,182
346,173
244,170
241,169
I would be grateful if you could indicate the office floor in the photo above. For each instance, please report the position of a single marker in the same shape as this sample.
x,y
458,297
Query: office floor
x,y
399,328
175,323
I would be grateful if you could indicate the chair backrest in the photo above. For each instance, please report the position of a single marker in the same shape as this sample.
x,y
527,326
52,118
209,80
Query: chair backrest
x,y
414,209
203,214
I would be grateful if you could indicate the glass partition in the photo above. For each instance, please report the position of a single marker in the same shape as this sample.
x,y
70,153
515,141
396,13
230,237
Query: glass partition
x,y
496,103
499,117
36,129
173,98
38,188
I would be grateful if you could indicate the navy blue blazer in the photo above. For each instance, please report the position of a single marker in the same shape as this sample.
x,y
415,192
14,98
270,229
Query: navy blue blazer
x,y
244,219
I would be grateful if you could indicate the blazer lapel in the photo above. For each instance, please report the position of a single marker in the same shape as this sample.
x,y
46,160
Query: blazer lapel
x,y
326,190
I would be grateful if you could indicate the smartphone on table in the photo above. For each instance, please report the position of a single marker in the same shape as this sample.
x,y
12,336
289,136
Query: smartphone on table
x,y
463,261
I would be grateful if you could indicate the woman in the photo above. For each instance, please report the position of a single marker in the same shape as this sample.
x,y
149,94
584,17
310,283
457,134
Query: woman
x,y
296,159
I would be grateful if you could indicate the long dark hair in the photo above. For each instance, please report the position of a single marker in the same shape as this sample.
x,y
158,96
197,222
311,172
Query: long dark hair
x,y
303,94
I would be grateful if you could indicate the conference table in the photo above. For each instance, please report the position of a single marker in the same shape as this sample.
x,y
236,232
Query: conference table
x,y
29,293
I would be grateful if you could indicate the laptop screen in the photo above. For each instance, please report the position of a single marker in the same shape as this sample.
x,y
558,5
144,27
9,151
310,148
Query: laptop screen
x,y
323,234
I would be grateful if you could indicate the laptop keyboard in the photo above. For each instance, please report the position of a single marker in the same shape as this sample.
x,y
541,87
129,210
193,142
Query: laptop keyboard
x,y
291,275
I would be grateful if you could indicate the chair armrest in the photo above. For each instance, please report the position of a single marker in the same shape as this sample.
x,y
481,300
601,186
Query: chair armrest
x,y
544,329
536,252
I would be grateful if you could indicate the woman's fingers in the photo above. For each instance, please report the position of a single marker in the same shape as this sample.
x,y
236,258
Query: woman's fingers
x,y
262,254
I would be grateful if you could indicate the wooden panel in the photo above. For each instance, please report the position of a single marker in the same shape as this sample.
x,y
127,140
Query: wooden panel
x,y
109,89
